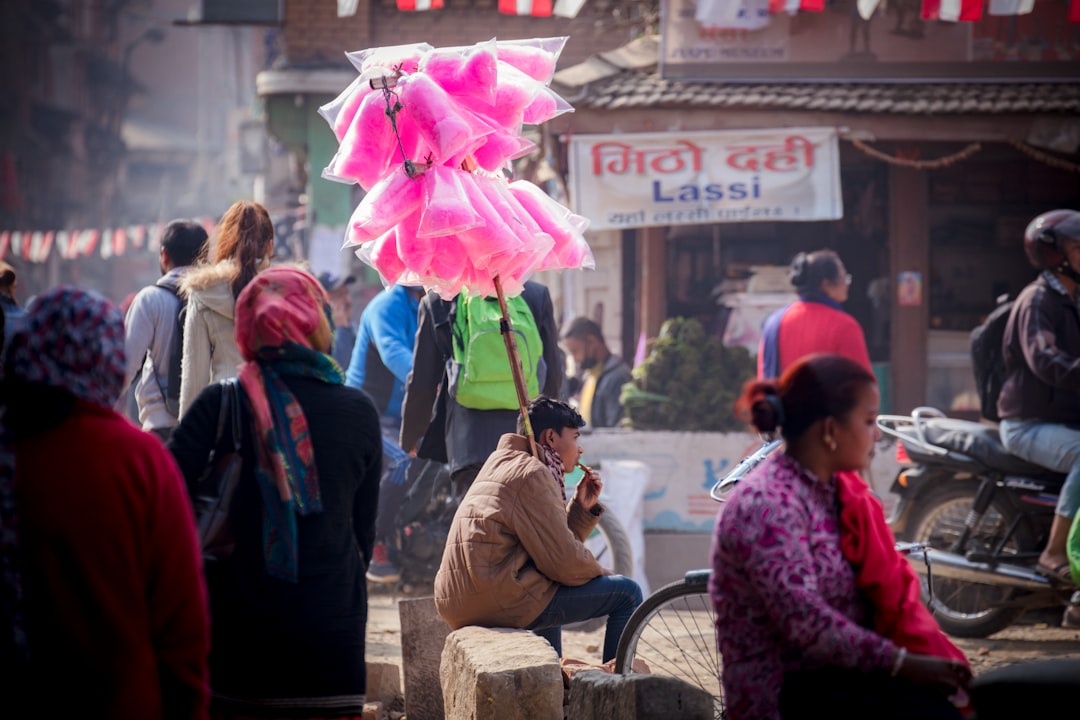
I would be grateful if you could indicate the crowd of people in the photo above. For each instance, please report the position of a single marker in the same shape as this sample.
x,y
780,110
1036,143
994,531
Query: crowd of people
x,y
111,603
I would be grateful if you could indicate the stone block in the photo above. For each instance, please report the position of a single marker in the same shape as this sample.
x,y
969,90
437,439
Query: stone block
x,y
500,674
423,633
597,695
383,682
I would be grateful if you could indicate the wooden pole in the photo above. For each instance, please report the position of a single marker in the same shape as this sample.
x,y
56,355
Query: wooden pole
x,y
507,331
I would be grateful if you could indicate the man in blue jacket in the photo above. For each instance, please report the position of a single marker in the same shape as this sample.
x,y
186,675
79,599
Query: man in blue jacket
x,y
381,360
383,353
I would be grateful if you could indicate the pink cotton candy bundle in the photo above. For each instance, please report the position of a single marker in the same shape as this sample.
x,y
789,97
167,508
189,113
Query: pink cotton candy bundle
x,y
386,60
446,209
416,252
535,58
340,111
499,148
447,264
547,105
381,254
458,114
388,202
440,121
365,152
489,238
569,247
464,71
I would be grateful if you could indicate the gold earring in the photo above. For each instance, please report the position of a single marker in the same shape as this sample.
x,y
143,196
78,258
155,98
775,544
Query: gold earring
x,y
830,442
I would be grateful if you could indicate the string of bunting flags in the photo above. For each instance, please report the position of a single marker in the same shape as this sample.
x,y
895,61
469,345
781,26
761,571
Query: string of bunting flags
x,y
754,14
37,245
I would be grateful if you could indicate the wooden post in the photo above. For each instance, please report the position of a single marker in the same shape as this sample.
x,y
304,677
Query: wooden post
x,y
507,331
909,251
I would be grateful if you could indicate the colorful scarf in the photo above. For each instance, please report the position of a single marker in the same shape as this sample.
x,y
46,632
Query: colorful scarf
x,y
276,315
555,464
70,339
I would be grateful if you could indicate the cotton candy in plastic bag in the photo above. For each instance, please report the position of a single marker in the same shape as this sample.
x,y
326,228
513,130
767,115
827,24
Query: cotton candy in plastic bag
x,y
388,202
441,122
340,111
536,57
445,209
547,105
381,254
365,152
464,71
375,62
570,250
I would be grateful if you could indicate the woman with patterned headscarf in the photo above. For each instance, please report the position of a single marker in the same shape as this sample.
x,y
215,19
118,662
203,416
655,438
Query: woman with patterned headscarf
x,y
289,607
103,602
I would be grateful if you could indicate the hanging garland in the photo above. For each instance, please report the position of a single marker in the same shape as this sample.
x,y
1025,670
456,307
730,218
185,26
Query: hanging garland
x,y
1044,157
918,164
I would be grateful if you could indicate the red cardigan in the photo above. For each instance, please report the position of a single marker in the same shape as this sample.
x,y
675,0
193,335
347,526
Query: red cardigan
x,y
813,327
116,607
884,576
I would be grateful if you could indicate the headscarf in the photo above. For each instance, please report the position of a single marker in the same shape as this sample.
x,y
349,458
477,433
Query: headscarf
x,y
70,339
276,314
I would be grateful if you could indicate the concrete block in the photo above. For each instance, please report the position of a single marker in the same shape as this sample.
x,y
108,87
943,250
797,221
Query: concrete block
x,y
597,695
500,674
383,682
423,633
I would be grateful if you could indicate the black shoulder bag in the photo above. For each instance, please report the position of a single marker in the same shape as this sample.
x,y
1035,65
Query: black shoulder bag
x,y
217,485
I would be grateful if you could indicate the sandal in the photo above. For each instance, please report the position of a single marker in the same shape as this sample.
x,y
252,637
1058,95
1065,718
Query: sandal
x,y
1061,574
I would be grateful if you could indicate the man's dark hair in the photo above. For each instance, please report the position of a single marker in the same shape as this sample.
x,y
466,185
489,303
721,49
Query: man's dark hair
x,y
545,413
810,270
582,327
183,240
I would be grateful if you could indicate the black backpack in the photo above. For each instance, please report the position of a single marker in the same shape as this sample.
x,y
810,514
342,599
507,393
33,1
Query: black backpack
x,y
988,357
171,392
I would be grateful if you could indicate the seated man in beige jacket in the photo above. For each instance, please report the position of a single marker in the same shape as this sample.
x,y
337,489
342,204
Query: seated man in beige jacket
x,y
515,558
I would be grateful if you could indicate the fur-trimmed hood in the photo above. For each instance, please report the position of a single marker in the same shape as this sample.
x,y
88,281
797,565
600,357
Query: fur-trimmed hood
x,y
211,286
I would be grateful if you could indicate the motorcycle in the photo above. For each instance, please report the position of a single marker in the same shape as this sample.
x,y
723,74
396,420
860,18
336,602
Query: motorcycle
x,y
984,515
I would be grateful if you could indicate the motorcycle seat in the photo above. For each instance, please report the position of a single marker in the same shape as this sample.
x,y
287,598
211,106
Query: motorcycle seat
x,y
982,443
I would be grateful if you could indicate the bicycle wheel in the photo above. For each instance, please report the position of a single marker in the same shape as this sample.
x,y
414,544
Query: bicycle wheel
x,y
673,633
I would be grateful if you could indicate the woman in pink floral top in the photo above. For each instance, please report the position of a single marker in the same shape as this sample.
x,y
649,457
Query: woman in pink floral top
x,y
790,625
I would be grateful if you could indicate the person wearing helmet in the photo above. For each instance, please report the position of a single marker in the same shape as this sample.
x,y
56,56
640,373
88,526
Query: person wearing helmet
x,y
1040,400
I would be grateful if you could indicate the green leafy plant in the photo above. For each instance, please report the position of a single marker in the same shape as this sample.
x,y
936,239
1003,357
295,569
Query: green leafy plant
x,y
689,381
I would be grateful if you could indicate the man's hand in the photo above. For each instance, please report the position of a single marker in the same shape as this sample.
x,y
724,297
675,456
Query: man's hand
x,y
588,490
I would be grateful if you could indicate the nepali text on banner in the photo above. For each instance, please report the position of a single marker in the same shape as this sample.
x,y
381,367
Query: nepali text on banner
x,y
692,178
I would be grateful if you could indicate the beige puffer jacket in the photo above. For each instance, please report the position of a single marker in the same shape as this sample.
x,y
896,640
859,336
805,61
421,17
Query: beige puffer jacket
x,y
210,351
512,543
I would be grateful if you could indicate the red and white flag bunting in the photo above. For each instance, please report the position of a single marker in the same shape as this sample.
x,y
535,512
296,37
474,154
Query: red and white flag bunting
x,y
952,10
36,245
410,5
536,8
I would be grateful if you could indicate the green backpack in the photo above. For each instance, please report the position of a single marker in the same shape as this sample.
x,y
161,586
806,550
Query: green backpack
x,y
480,375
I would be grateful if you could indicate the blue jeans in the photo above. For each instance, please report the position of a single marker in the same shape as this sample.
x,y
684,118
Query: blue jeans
x,y
613,595
1055,447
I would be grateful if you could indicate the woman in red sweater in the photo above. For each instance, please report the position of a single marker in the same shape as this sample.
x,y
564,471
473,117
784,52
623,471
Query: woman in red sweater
x,y
816,322
101,592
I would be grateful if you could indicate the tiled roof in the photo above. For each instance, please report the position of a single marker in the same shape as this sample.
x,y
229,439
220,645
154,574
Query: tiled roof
x,y
629,79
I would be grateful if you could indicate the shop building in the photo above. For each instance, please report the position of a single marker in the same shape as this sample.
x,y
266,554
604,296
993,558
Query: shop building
x,y
937,180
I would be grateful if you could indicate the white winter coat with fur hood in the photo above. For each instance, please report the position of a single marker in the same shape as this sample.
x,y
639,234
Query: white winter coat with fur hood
x,y
210,350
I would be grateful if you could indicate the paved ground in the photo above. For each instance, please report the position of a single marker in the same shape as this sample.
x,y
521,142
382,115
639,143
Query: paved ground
x,y
1020,643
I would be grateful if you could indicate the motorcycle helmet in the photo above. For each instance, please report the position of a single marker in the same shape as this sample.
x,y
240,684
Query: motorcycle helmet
x,y
1044,236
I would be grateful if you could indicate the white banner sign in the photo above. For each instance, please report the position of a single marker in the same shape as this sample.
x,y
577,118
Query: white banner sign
x,y
692,178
